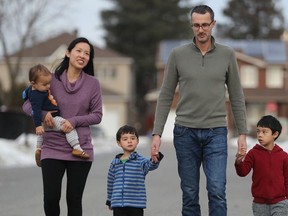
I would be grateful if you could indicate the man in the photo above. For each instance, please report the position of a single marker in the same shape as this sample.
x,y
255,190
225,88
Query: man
x,y
204,70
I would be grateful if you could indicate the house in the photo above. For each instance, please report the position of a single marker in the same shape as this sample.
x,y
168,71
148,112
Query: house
x,y
113,70
263,68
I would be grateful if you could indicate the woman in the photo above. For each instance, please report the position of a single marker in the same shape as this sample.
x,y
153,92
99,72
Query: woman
x,y
78,95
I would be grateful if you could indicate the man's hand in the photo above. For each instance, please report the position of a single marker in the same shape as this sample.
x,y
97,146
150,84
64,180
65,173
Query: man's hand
x,y
155,146
242,146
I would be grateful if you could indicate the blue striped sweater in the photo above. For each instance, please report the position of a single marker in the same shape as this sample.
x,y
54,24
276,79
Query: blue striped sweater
x,y
126,181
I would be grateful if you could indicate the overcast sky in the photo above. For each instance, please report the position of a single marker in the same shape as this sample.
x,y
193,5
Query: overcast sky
x,y
87,20
95,33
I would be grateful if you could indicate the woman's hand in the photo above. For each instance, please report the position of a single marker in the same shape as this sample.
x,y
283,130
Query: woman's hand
x,y
49,121
66,126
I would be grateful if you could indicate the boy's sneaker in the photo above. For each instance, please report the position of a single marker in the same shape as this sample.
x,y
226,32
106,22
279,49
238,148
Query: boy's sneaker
x,y
38,157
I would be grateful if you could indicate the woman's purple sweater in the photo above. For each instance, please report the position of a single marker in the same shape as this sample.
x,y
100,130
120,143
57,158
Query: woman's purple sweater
x,y
81,104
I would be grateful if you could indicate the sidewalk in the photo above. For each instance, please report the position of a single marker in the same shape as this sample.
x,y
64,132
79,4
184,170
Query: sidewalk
x,y
163,187
21,189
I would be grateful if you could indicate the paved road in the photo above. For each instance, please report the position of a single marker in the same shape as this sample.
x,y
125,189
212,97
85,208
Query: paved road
x,y
21,189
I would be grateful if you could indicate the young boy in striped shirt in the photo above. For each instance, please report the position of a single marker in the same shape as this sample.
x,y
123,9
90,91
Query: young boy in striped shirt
x,y
126,193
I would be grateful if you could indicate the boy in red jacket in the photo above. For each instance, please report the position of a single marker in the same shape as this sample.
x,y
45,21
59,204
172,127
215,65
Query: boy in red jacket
x,y
270,170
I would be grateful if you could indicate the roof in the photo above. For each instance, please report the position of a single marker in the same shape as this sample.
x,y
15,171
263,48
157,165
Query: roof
x,y
106,53
271,51
47,48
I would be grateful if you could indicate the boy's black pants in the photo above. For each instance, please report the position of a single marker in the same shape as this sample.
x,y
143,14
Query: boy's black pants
x,y
127,211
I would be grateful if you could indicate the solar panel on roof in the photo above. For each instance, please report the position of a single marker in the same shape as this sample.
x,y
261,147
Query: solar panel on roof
x,y
275,52
271,51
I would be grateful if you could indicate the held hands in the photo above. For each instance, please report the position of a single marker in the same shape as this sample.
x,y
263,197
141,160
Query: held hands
x,y
239,158
155,146
242,148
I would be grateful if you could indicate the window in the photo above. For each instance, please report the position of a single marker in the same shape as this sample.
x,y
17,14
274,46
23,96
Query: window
x,y
249,76
107,73
274,77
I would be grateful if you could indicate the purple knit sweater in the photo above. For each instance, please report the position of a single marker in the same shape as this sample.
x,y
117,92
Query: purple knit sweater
x,y
81,104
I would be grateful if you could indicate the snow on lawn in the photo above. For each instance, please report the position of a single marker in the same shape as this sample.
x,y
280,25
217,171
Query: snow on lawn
x,y
20,152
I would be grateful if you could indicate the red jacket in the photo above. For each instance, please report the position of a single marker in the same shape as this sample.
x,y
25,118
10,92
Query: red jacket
x,y
270,173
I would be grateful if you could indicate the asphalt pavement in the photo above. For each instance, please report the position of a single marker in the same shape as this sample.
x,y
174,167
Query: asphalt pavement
x,y
21,189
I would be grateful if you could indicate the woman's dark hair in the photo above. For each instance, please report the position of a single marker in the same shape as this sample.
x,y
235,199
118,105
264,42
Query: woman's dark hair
x,y
88,69
271,122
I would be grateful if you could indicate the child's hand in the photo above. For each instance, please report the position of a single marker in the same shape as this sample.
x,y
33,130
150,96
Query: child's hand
x,y
40,130
242,151
160,156
239,157
242,145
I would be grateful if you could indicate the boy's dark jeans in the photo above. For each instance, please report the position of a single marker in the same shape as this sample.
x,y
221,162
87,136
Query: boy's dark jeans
x,y
127,211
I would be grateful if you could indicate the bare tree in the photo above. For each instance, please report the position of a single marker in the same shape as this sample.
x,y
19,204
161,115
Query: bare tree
x,y
21,23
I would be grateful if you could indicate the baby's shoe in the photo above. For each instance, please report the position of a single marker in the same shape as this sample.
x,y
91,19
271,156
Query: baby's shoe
x,y
80,154
38,157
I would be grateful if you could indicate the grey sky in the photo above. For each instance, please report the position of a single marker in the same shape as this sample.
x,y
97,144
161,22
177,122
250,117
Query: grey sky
x,y
89,23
